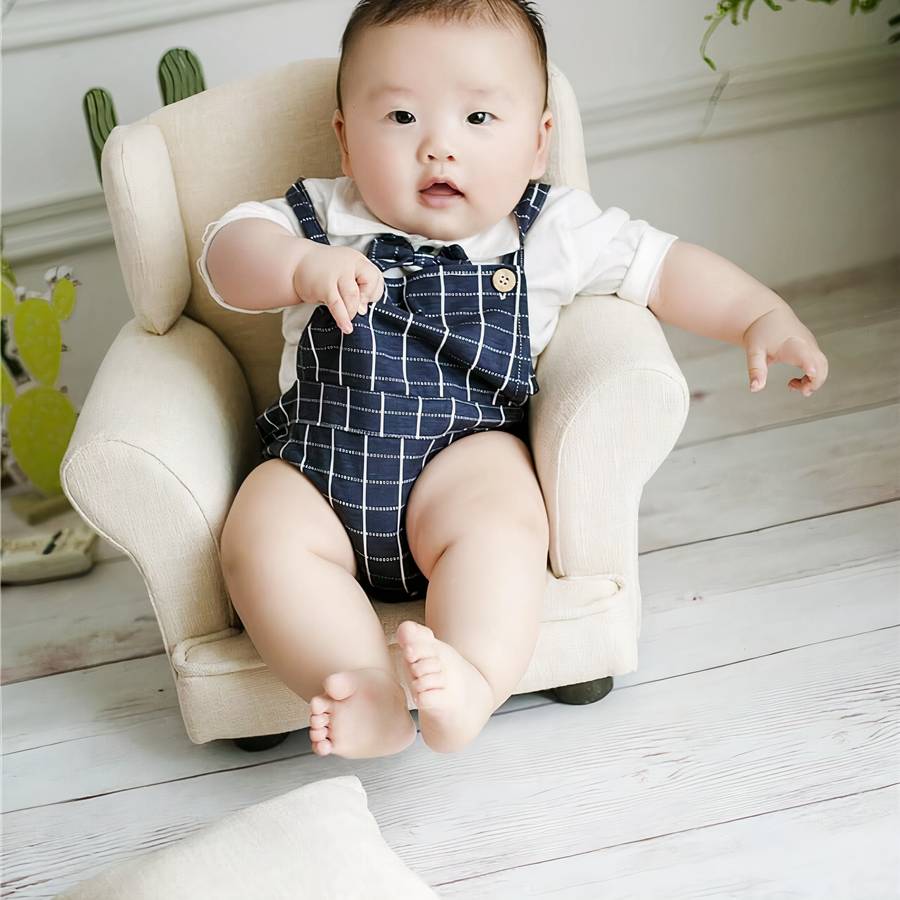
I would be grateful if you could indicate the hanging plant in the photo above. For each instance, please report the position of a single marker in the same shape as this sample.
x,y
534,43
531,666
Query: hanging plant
x,y
734,8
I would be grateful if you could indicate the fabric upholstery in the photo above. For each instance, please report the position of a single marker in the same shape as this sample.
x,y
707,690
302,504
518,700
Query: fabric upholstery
x,y
317,842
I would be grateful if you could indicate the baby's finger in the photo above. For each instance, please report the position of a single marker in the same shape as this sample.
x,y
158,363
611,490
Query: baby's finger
x,y
349,290
804,385
335,303
370,280
363,295
822,368
812,379
816,368
757,366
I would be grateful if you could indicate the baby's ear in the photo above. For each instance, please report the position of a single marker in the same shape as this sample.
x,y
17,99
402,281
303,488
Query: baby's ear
x,y
337,123
543,152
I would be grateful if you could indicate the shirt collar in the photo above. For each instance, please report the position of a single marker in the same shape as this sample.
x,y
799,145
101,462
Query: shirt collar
x,y
348,215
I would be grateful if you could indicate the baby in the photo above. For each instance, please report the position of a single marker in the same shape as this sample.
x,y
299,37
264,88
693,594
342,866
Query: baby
x,y
417,292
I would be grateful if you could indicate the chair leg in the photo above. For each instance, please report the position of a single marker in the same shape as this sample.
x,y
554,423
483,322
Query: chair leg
x,y
260,741
585,692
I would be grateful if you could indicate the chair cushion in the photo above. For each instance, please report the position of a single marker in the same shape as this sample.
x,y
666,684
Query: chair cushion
x,y
317,842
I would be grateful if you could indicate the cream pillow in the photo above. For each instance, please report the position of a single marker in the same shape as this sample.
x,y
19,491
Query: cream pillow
x,y
318,842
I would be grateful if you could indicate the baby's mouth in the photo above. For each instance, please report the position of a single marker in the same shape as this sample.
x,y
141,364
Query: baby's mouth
x,y
441,189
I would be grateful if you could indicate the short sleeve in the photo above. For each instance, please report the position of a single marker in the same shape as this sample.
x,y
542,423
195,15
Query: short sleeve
x,y
276,210
609,252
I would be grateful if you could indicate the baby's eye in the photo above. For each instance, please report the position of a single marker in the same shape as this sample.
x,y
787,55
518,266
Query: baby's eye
x,y
403,112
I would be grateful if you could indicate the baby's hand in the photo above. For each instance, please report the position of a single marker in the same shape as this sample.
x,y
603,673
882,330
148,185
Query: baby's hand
x,y
341,278
779,336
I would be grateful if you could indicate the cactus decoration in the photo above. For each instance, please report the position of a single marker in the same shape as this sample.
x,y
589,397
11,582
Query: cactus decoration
x,y
100,115
38,418
179,75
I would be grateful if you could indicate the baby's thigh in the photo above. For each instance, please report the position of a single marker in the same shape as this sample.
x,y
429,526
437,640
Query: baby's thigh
x,y
484,483
277,514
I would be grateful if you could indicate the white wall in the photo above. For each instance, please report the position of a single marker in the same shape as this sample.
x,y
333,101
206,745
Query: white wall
x,y
792,173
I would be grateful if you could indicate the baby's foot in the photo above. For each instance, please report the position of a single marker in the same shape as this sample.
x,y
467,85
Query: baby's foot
x,y
453,698
361,713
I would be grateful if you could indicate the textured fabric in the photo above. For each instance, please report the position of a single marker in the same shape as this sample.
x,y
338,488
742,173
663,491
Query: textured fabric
x,y
574,248
317,842
442,354
139,189
140,445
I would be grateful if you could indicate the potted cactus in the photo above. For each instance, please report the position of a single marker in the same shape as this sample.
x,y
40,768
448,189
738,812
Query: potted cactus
x,y
37,416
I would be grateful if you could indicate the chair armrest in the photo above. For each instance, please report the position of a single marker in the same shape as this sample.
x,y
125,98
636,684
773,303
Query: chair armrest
x,y
160,447
611,404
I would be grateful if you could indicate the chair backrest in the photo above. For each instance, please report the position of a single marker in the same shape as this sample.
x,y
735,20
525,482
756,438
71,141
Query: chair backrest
x,y
250,140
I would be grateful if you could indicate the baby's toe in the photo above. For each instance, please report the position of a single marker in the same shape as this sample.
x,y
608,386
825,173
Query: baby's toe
x,y
319,721
430,681
320,704
407,631
416,640
318,734
425,666
340,685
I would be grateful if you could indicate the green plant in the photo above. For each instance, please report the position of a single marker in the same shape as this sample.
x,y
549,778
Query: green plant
x,y
734,8
38,417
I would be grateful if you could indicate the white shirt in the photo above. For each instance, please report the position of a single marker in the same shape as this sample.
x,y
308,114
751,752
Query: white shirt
x,y
573,247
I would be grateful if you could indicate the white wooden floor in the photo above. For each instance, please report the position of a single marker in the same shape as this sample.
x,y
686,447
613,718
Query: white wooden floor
x,y
755,753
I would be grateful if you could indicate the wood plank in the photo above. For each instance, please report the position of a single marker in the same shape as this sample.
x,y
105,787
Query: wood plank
x,y
789,729
866,294
863,371
750,481
120,727
92,619
837,848
673,576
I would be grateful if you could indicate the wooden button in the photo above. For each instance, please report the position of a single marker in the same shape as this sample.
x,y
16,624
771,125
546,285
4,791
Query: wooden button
x,y
504,280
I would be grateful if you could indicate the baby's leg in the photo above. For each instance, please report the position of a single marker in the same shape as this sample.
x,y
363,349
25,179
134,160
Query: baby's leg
x,y
290,571
478,530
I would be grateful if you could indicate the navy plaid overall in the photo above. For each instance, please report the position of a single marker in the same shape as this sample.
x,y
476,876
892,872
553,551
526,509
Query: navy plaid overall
x,y
444,353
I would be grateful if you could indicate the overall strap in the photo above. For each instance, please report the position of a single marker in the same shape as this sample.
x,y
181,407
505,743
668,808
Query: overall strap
x,y
298,197
527,211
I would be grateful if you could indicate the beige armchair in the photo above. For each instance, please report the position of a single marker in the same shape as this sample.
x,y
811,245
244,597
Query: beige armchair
x,y
166,434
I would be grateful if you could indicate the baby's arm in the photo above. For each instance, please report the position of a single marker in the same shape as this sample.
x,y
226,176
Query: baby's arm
x,y
255,264
252,261
705,293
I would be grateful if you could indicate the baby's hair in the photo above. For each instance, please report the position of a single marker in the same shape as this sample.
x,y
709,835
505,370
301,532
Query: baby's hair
x,y
368,13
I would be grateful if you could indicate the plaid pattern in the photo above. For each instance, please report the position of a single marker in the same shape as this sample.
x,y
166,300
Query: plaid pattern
x,y
441,355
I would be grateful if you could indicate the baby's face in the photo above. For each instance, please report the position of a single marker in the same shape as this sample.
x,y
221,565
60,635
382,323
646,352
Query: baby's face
x,y
469,109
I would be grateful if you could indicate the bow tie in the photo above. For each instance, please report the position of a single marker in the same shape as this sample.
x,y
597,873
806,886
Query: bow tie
x,y
388,250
